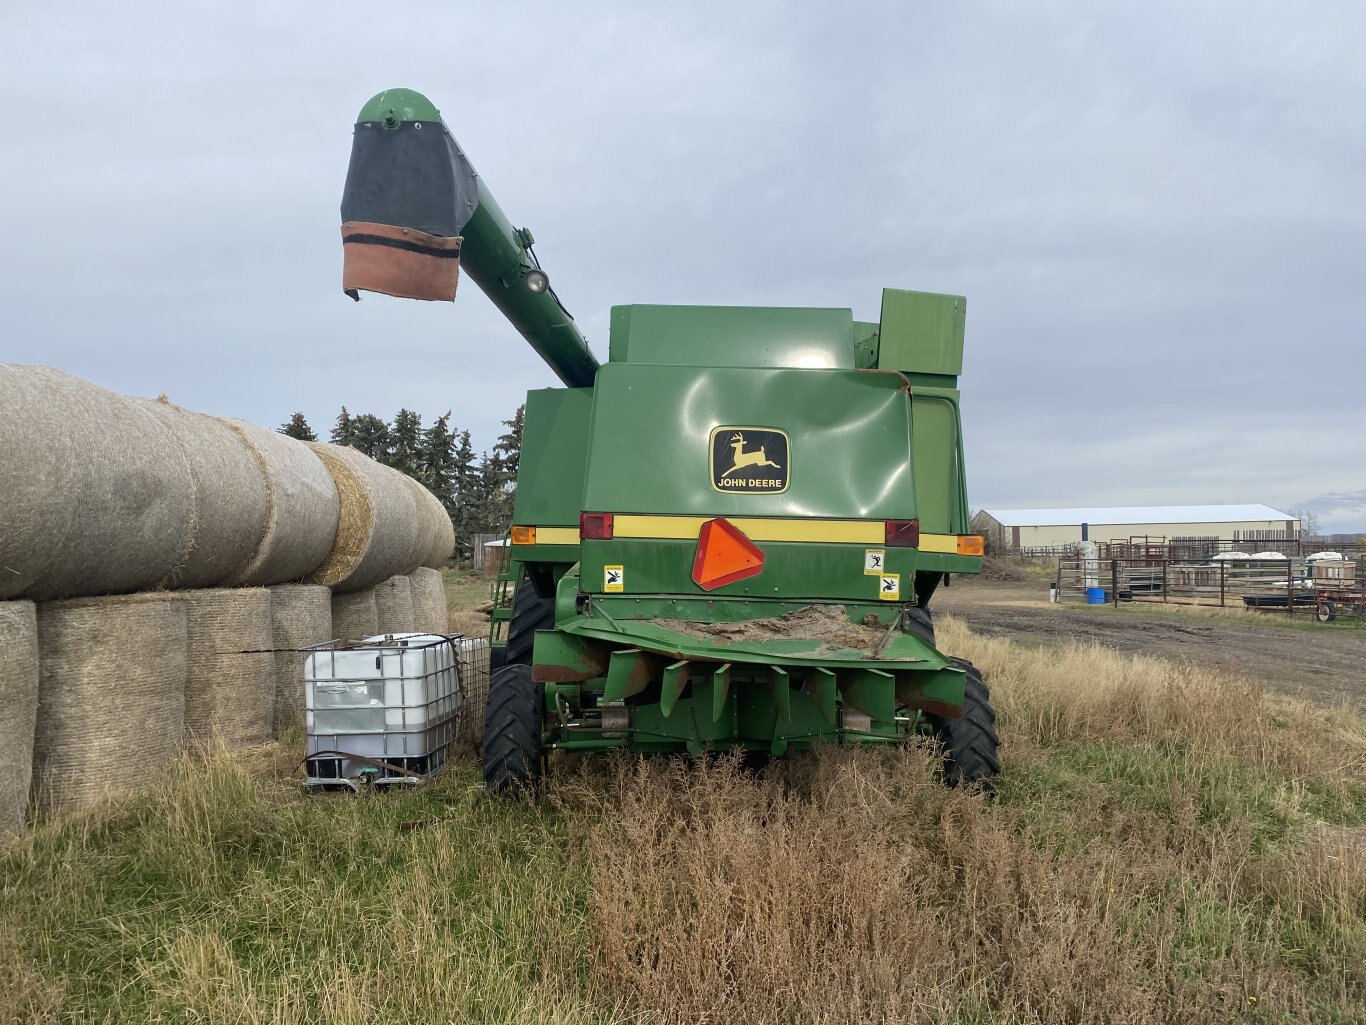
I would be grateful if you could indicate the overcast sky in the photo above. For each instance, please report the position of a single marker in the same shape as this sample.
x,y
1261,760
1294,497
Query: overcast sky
x,y
1157,211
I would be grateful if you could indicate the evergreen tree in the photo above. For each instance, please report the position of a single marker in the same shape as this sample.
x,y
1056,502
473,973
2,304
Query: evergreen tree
x,y
343,431
508,447
436,463
372,436
492,510
405,443
297,427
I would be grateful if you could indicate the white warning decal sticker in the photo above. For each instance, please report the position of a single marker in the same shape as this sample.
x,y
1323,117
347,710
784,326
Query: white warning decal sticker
x,y
889,587
874,561
614,579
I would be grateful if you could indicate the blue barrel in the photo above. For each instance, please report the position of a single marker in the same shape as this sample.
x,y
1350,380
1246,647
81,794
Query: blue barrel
x,y
1095,596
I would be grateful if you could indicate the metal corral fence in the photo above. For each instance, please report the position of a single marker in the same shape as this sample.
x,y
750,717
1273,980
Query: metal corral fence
x,y
1327,588
1190,549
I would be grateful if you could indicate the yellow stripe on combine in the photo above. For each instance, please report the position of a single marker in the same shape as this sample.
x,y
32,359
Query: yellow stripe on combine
x,y
687,528
863,532
946,544
545,535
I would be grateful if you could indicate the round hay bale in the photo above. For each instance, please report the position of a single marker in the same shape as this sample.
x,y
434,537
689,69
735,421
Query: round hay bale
x,y
98,497
229,667
430,614
18,711
111,698
378,528
300,616
436,533
394,606
301,524
354,615
231,501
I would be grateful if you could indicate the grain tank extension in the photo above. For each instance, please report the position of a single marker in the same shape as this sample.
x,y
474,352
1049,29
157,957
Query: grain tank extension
x,y
730,533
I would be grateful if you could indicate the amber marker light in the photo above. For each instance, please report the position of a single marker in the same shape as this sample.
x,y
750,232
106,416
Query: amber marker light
x,y
970,544
524,535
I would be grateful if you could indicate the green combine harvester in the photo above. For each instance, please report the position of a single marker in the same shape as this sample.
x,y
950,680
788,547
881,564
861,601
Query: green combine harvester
x,y
729,535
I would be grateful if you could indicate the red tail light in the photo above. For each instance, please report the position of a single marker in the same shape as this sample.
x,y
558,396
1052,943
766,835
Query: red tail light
x,y
903,534
595,526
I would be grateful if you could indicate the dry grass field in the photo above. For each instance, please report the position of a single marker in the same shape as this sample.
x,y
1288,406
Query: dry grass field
x,y
1169,844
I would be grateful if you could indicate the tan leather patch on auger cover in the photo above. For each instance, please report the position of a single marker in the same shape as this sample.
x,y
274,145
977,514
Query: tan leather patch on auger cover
x,y
404,262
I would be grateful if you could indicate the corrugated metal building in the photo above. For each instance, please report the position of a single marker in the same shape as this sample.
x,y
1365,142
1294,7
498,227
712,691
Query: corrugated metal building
x,y
1047,528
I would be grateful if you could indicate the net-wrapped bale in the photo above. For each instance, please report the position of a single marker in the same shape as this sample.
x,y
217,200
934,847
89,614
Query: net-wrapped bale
x,y
18,711
231,500
229,667
354,615
301,524
111,697
436,532
97,496
430,614
394,606
378,530
300,616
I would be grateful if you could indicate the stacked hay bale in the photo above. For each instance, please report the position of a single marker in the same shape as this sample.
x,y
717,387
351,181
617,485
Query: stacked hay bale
x,y
231,500
436,532
394,606
304,509
98,497
430,614
111,700
378,529
229,667
354,615
301,616
18,711
106,500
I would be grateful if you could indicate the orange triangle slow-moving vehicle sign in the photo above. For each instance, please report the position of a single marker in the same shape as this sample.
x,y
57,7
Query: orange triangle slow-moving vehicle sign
x,y
724,555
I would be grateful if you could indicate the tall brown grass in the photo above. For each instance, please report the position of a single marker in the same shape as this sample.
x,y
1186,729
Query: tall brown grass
x,y
1166,846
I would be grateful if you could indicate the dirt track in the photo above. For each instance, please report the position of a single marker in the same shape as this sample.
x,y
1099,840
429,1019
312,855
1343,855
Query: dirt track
x,y
1325,663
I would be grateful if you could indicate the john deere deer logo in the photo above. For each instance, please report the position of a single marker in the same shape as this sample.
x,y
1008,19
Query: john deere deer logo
x,y
741,459
749,460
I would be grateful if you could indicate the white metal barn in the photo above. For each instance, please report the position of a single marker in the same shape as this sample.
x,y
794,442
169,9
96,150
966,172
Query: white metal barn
x,y
1046,528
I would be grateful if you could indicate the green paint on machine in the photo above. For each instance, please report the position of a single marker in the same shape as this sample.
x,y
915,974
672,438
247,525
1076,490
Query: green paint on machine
x,y
814,439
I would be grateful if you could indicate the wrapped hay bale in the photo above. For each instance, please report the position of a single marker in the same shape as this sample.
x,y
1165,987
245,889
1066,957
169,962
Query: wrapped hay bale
x,y
394,606
354,615
98,497
378,528
111,698
436,532
229,667
301,524
231,502
18,711
430,614
300,616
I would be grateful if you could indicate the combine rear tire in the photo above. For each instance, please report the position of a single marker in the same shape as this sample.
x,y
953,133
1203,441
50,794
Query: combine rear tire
x,y
970,743
919,623
512,732
529,614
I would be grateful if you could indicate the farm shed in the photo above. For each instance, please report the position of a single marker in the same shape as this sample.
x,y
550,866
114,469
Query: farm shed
x,y
1048,528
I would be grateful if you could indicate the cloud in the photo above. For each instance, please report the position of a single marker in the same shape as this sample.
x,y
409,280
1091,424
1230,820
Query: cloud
x,y
1158,217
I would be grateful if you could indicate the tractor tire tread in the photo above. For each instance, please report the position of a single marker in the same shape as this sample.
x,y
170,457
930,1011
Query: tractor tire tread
x,y
529,614
971,744
512,731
